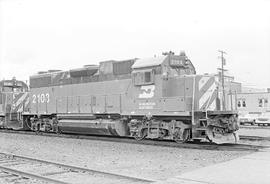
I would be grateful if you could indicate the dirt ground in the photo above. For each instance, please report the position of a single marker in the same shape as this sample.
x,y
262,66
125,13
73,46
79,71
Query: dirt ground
x,y
151,162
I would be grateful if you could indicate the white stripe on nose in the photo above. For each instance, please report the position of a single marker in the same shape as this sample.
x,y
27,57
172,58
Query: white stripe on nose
x,y
207,95
203,81
20,100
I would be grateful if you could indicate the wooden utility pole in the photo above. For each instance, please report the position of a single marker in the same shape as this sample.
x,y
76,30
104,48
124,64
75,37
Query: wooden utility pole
x,y
223,62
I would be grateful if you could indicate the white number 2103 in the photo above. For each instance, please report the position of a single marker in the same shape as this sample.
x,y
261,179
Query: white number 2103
x,y
41,98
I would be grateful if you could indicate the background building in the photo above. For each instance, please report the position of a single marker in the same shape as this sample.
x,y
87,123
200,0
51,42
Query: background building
x,y
255,102
247,100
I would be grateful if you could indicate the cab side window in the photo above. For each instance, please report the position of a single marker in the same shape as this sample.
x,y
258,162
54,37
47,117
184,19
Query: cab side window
x,y
147,77
144,77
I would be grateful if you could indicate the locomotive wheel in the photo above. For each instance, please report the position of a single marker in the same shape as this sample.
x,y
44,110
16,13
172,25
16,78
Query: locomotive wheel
x,y
58,130
182,136
141,135
37,127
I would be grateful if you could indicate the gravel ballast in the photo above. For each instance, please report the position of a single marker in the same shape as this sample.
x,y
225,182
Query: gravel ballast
x,y
151,162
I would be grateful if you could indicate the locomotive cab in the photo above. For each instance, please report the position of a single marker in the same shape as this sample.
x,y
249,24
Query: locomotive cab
x,y
163,84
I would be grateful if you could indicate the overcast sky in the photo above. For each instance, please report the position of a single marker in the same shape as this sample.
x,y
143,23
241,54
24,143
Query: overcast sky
x,y
38,35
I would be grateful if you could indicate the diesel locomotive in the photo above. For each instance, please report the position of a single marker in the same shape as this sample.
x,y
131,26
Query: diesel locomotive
x,y
156,98
14,100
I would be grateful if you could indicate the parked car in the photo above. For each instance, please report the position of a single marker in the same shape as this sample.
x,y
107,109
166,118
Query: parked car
x,y
249,118
263,119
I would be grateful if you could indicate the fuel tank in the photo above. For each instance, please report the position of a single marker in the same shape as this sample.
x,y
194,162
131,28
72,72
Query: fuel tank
x,y
91,125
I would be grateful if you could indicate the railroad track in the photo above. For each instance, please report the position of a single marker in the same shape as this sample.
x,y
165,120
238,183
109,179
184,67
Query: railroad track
x,y
29,170
189,145
9,177
254,127
254,138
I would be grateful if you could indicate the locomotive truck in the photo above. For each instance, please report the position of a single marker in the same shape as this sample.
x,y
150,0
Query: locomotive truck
x,y
156,98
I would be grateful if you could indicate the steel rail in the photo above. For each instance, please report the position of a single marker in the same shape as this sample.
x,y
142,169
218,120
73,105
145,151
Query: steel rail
x,y
254,138
69,167
163,143
254,127
31,176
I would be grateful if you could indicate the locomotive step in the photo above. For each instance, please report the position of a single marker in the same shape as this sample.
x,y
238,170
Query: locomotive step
x,y
201,129
202,119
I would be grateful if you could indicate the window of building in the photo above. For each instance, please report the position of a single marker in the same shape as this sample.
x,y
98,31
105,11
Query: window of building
x,y
244,103
241,103
260,102
263,102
